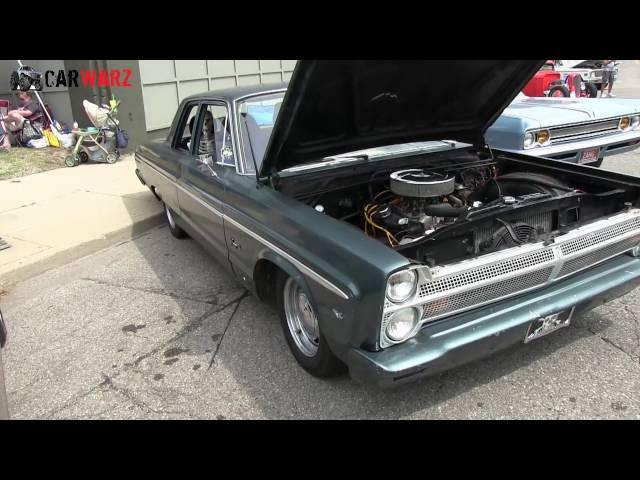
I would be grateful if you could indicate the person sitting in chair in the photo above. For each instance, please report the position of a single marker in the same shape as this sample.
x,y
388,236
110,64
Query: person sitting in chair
x,y
13,121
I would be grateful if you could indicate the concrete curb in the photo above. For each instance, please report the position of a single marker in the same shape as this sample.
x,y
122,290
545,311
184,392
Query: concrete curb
x,y
78,251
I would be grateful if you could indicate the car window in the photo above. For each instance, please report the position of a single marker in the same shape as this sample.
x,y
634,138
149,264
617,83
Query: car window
x,y
185,130
214,135
257,116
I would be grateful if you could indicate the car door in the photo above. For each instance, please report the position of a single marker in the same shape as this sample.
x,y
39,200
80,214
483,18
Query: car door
x,y
201,185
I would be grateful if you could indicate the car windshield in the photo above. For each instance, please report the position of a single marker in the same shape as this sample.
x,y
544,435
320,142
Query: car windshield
x,y
257,116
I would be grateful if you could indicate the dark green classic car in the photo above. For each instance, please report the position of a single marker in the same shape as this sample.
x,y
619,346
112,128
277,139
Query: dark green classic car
x,y
362,200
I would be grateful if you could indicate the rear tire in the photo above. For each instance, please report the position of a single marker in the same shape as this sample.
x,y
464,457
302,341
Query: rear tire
x,y
559,91
591,89
302,332
174,228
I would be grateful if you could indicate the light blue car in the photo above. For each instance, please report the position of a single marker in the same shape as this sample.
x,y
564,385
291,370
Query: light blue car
x,y
577,130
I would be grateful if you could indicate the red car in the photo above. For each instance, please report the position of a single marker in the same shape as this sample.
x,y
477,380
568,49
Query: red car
x,y
547,82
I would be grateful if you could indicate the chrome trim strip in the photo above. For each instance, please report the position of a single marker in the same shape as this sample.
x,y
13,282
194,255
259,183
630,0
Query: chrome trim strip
x,y
185,188
301,266
159,170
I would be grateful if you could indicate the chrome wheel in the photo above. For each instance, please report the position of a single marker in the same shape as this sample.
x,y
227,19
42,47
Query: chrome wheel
x,y
301,319
170,219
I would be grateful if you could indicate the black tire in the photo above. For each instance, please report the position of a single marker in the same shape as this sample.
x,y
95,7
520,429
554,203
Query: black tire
x,y
14,81
324,363
591,89
174,228
558,88
25,83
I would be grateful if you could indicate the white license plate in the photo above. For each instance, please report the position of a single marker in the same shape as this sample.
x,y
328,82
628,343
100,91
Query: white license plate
x,y
589,156
545,325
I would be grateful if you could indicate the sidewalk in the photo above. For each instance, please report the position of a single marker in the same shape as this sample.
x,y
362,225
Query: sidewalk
x,y
54,217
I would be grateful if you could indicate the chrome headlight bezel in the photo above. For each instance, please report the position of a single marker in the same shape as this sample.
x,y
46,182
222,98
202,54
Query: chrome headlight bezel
x,y
628,123
529,140
532,138
410,277
410,329
635,122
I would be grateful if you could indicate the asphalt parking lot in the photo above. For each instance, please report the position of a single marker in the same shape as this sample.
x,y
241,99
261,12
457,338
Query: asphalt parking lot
x,y
155,328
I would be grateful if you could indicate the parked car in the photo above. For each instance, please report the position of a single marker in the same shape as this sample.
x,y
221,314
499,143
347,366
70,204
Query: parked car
x,y
578,130
396,260
4,408
589,70
548,82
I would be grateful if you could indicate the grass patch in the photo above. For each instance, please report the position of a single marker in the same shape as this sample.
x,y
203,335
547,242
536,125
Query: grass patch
x,y
20,161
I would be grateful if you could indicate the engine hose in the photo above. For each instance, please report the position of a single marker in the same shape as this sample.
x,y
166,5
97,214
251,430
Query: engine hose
x,y
444,210
455,200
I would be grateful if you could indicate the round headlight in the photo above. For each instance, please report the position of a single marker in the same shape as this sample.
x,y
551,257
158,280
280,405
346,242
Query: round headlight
x,y
528,140
401,324
542,137
401,285
624,123
635,122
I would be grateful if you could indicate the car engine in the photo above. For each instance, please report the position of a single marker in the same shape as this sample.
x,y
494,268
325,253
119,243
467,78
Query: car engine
x,y
452,209
416,203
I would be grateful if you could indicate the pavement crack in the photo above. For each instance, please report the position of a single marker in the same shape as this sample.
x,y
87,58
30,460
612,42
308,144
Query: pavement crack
x,y
150,290
126,393
215,352
71,403
615,345
194,325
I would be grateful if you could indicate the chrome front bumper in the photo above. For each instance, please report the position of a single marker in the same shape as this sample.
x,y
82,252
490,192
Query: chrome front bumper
x,y
570,151
469,336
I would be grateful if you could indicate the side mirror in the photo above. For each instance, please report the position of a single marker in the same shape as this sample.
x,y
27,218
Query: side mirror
x,y
205,160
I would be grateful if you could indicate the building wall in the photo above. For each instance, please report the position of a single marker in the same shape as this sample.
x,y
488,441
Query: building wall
x,y
158,86
56,98
165,83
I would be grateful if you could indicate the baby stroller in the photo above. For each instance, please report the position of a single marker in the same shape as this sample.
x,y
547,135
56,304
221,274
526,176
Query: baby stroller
x,y
98,143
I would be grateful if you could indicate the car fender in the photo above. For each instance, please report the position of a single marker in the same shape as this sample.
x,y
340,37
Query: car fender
x,y
287,267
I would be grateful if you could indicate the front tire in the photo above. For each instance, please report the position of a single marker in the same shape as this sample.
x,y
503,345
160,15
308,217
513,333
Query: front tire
x,y
559,91
302,331
174,228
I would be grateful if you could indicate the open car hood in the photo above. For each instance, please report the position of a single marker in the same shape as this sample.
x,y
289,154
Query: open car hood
x,y
335,107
